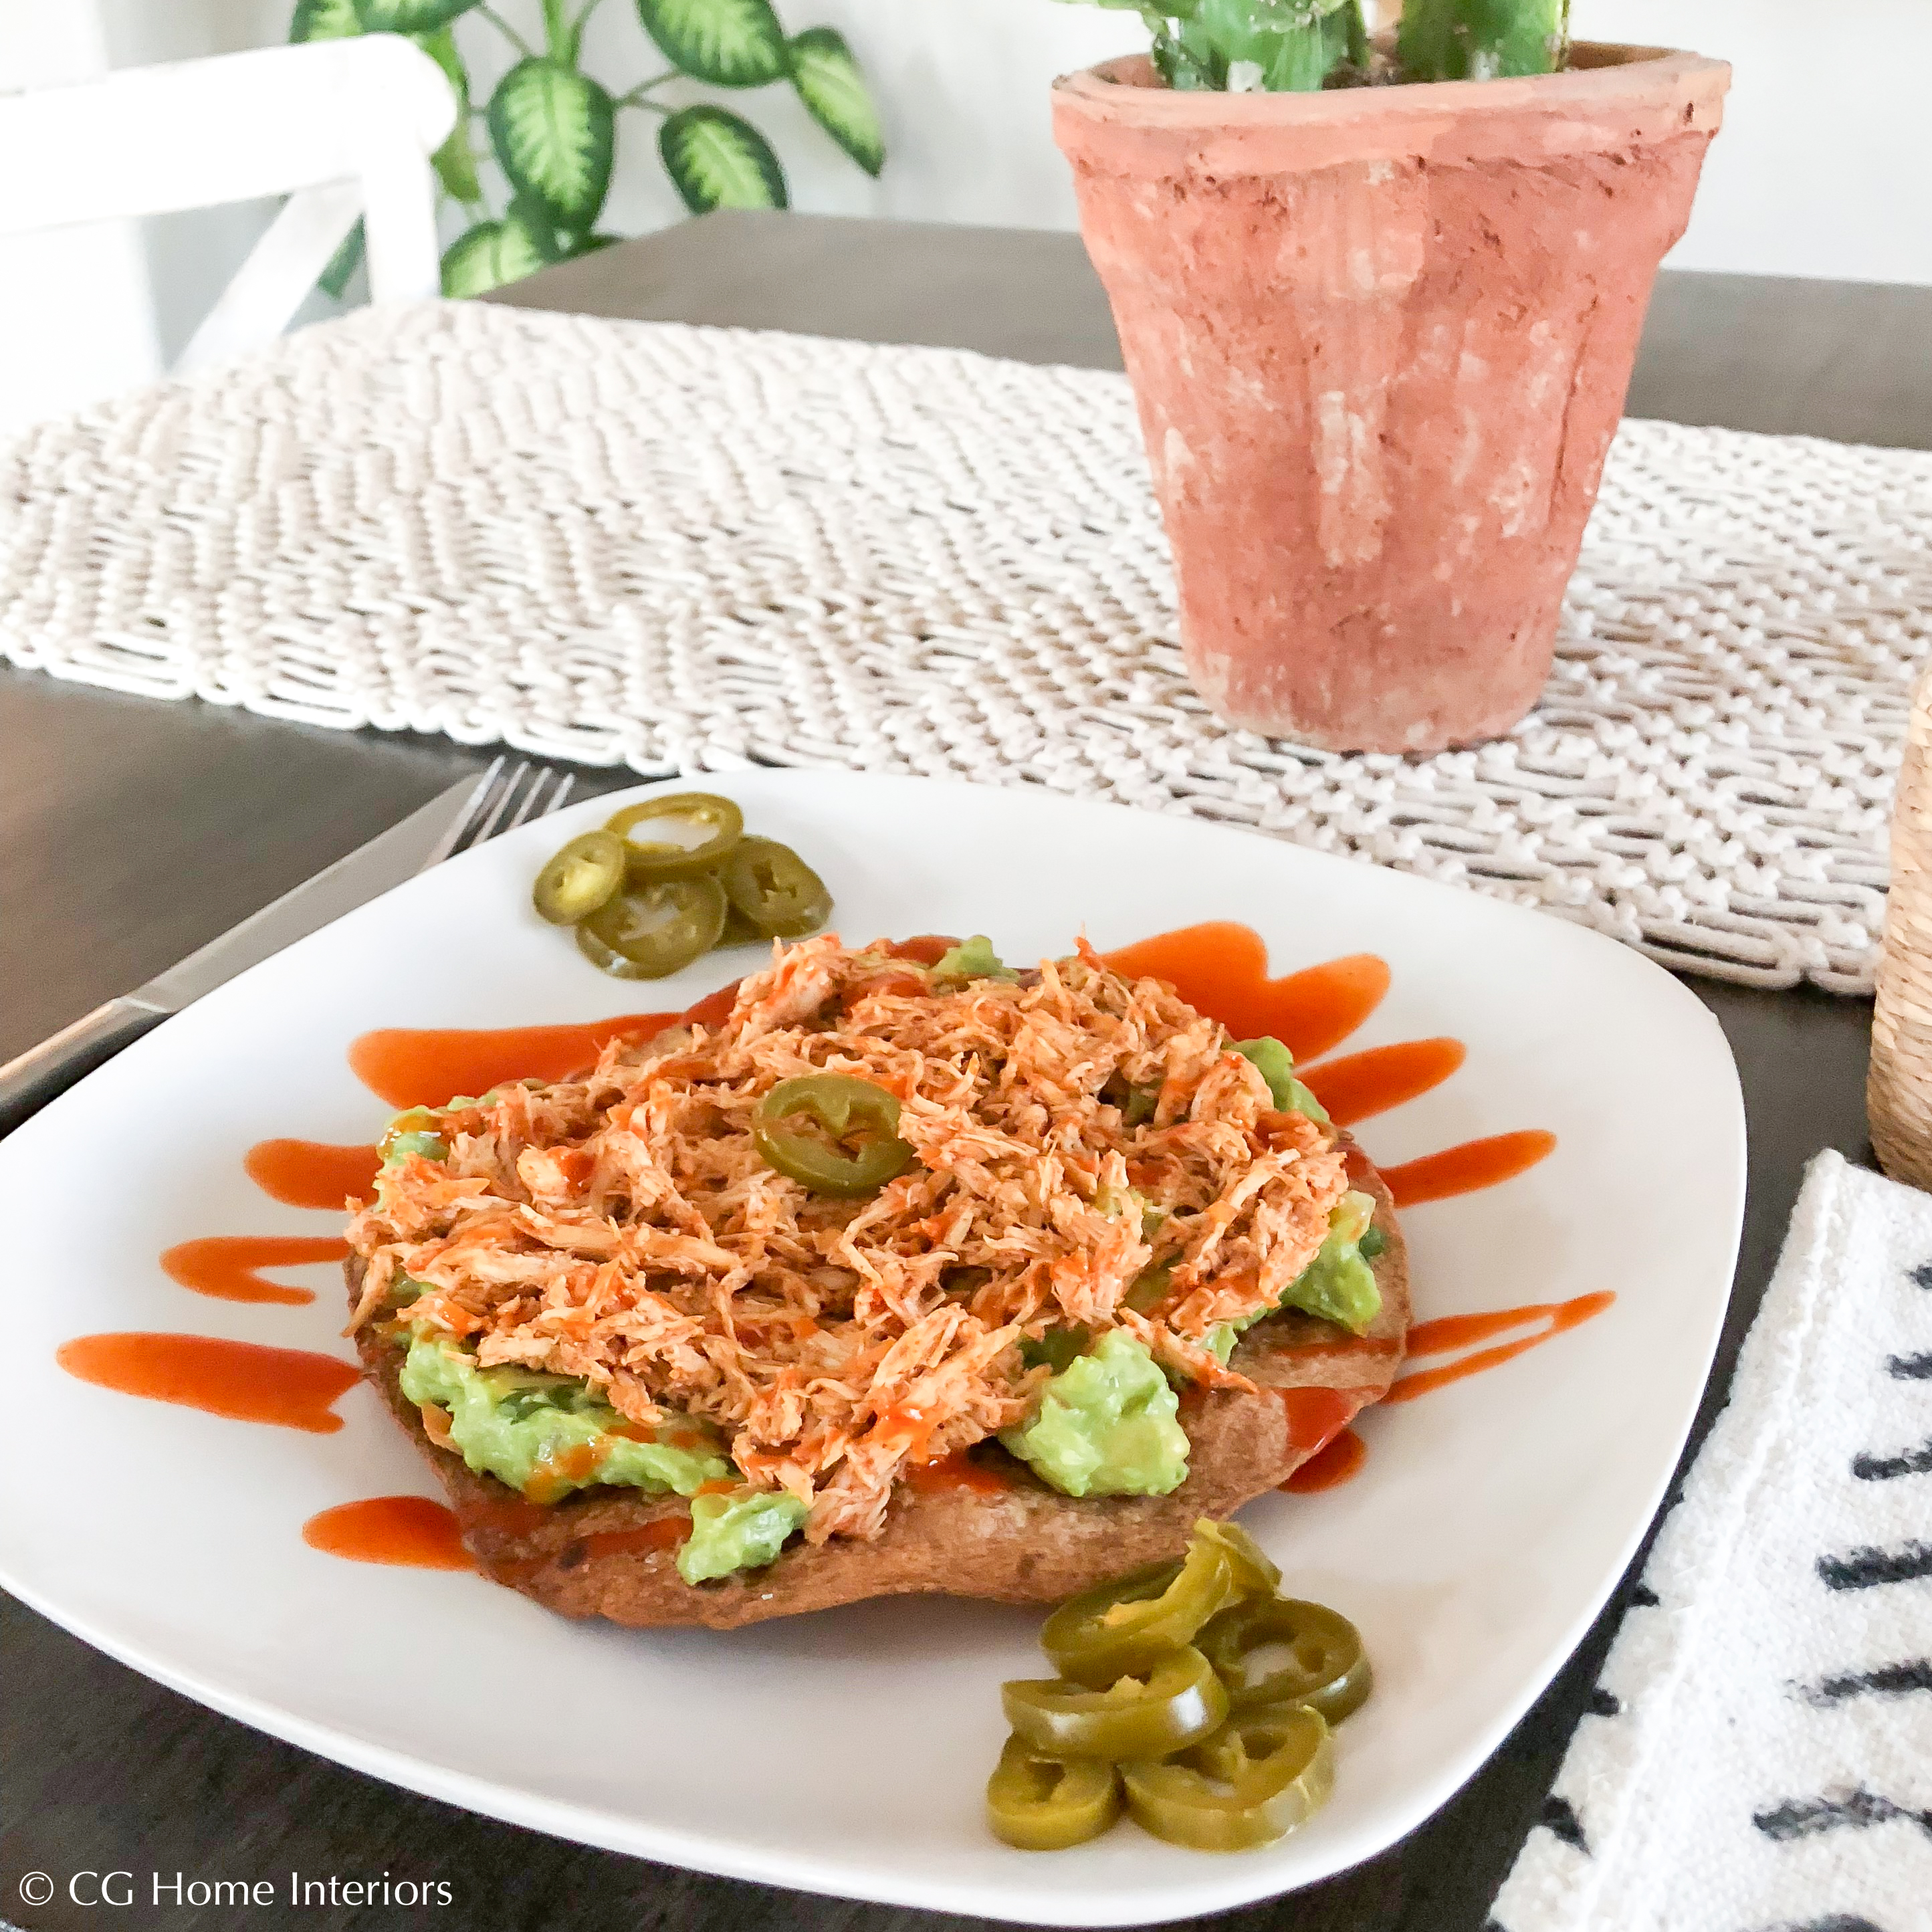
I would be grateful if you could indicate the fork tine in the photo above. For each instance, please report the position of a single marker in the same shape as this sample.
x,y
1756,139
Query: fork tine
x,y
485,827
564,780
454,839
529,807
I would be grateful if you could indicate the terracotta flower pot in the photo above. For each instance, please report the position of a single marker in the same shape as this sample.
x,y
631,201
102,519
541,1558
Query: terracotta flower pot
x,y
1380,338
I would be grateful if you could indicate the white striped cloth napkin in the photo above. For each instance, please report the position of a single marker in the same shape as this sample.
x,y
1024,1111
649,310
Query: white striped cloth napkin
x,y
1759,1755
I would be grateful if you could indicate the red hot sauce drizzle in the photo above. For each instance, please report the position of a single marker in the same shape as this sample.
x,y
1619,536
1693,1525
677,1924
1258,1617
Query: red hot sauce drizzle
x,y
1472,1164
418,1066
957,1471
666,1533
1316,1416
923,948
714,1009
291,1388
1458,1331
1220,969
225,1267
1366,1084
1340,1462
408,1530
311,1173
410,1066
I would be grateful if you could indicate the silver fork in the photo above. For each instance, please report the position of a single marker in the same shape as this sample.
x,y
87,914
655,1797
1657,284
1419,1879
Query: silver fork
x,y
504,796
503,800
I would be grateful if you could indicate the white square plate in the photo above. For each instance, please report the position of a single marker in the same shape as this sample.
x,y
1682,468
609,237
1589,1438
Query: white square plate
x,y
846,1752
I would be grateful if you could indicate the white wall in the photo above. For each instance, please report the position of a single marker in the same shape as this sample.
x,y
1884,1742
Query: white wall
x,y
99,274
190,256
1825,163
1822,170
963,85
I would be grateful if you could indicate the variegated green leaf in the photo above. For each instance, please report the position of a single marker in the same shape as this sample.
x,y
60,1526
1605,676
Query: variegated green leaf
x,y
833,89
333,279
493,253
324,20
408,16
454,160
552,243
552,129
729,42
716,159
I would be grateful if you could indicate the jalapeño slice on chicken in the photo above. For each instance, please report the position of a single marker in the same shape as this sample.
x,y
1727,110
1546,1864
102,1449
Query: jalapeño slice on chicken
x,y
775,889
831,1133
678,836
649,930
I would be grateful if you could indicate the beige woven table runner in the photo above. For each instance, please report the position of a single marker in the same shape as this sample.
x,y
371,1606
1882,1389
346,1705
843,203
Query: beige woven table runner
x,y
684,549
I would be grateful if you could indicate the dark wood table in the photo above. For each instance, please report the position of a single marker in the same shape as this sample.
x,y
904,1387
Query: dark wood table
x,y
132,831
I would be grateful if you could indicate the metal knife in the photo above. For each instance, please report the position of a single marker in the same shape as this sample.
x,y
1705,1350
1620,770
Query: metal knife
x,y
421,840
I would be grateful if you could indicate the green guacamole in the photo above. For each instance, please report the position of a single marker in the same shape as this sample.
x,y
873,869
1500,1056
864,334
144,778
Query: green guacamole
x,y
418,1130
1277,1068
521,1426
1338,1285
972,958
1107,1425
743,1531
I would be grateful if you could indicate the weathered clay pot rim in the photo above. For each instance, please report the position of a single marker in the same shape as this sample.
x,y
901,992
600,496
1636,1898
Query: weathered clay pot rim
x,y
1379,338
1123,89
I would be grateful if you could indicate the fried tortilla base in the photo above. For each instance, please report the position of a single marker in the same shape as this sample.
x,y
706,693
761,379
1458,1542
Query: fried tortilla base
x,y
611,1553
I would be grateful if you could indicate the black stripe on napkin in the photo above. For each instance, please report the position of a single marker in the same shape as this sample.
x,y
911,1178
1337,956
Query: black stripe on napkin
x,y
1863,1569
1922,1274
1836,1921
1881,1468
1559,1817
1911,1368
1889,1680
1645,1598
1805,1818
1604,1703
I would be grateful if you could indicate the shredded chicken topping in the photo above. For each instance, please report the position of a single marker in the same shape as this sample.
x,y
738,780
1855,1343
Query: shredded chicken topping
x,y
623,1227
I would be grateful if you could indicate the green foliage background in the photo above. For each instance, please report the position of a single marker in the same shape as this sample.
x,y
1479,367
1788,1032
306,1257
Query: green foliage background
x,y
552,128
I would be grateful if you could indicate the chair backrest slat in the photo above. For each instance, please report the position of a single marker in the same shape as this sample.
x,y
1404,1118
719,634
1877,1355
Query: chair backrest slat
x,y
344,126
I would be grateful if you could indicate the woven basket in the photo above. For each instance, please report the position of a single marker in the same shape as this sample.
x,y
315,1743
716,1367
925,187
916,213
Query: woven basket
x,y
1898,1089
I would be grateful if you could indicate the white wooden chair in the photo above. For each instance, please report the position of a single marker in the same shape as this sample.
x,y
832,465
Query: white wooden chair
x,y
344,128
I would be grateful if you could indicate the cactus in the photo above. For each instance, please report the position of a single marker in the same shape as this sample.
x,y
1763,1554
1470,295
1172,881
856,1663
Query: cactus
x,y
1482,40
1298,46
1283,46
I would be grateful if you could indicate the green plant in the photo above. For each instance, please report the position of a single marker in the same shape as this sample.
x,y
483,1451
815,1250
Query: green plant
x,y
552,129
1482,40
1298,46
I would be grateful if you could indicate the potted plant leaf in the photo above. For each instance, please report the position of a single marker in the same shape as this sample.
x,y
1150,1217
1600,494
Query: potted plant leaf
x,y
1379,298
552,128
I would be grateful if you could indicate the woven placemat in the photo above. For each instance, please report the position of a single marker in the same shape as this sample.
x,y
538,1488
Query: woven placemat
x,y
685,549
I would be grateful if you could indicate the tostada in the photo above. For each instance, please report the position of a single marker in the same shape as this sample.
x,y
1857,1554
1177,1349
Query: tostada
x,y
911,1273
